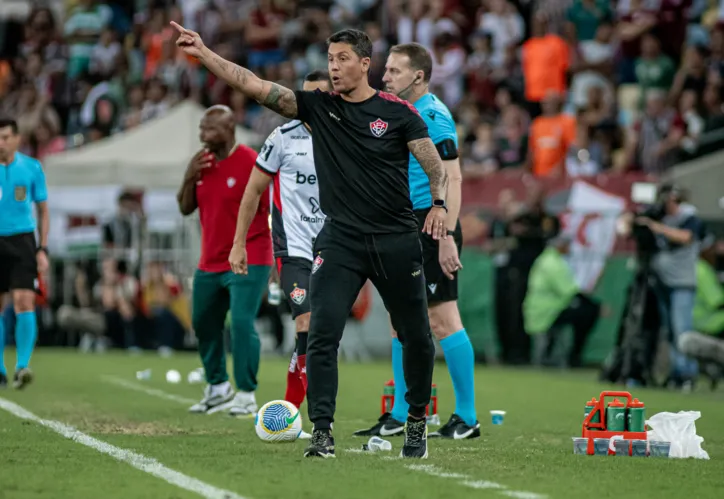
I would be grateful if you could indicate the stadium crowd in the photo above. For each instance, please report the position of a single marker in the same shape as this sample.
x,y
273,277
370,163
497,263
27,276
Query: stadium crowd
x,y
555,87
575,86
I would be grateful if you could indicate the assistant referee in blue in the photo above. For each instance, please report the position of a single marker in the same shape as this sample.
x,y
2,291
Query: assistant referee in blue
x,y
22,184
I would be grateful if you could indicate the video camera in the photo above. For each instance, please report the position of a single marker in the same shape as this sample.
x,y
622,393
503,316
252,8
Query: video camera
x,y
651,203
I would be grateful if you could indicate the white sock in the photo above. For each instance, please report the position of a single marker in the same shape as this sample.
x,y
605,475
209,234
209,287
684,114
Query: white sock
x,y
221,388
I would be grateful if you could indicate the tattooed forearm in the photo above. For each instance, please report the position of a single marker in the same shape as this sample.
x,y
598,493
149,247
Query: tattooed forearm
x,y
428,157
280,99
277,98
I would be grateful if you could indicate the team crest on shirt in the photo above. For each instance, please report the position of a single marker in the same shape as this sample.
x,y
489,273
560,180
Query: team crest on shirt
x,y
317,263
378,127
231,182
298,295
21,193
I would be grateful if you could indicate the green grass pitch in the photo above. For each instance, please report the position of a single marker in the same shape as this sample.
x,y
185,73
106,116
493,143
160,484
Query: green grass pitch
x,y
529,456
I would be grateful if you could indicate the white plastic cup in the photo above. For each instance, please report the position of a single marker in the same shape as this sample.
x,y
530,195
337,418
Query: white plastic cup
x,y
497,417
580,446
659,449
600,446
376,444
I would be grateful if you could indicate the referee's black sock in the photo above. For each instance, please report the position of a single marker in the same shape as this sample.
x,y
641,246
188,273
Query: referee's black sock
x,y
302,358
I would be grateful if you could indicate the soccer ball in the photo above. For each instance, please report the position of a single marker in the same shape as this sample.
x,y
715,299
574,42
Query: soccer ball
x,y
278,421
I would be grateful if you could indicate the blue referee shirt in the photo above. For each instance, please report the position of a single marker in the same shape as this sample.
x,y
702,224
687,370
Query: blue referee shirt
x,y
441,127
22,183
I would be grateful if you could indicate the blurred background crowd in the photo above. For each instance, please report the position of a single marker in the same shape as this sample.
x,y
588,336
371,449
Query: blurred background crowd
x,y
591,85
543,91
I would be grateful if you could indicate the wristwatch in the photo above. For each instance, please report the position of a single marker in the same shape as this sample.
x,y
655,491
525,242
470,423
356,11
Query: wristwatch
x,y
439,203
450,232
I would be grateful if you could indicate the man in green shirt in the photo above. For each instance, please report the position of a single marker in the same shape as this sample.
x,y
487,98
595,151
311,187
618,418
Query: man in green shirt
x,y
584,16
709,302
654,70
554,300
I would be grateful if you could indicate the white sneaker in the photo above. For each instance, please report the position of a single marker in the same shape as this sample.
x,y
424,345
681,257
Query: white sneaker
x,y
303,435
243,405
216,398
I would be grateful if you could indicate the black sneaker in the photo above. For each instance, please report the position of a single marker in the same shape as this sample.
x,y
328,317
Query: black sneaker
x,y
415,445
22,378
457,429
386,426
320,445
3,381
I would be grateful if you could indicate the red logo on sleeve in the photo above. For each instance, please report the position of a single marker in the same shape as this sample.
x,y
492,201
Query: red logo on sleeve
x,y
378,127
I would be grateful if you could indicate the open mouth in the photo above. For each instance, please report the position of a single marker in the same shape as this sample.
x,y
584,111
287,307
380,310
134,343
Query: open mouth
x,y
335,79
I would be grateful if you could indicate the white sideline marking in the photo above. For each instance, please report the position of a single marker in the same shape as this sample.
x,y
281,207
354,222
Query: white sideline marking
x,y
467,481
139,461
148,391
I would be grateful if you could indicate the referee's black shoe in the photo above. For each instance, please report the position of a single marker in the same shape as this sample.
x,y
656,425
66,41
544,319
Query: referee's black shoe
x,y
457,429
320,445
415,445
386,426
3,381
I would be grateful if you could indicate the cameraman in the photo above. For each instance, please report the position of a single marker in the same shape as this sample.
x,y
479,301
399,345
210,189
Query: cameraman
x,y
677,241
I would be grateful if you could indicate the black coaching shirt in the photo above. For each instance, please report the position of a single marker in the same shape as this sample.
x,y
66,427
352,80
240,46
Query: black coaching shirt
x,y
361,157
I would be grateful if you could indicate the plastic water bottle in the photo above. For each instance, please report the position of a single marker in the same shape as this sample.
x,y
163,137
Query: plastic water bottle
x,y
143,375
274,296
376,444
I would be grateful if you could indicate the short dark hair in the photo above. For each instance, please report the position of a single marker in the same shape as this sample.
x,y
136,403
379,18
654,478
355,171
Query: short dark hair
x,y
318,75
7,122
420,59
358,40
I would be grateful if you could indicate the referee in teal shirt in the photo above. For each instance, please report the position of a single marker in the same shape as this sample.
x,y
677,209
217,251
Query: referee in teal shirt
x,y
22,184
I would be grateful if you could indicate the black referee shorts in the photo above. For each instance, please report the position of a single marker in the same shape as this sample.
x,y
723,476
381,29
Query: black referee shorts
x,y
343,261
439,288
294,274
18,266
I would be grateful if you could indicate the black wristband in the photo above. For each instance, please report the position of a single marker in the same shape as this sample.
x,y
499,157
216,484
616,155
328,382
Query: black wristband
x,y
43,249
450,232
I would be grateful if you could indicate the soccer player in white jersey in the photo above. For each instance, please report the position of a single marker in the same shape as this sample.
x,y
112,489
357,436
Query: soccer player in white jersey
x,y
287,159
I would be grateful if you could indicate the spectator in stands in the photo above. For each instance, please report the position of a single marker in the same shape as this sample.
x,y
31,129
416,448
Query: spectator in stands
x,y
123,232
551,135
118,295
554,300
166,307
654,70
84,316
714,107
448,69
104,56
545,64
156,103
692,74
132,116
584,18
690,115
504,25
82,31
33,108
593,66
262,34
512,141
46,141
585,155
633,23
655,138
481,159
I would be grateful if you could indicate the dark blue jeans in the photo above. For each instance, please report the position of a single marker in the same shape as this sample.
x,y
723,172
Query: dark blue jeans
x,y
676,306
169,331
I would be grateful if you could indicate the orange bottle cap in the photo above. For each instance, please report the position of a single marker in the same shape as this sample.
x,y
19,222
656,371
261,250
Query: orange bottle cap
x,y
636,403
593,401
616,403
